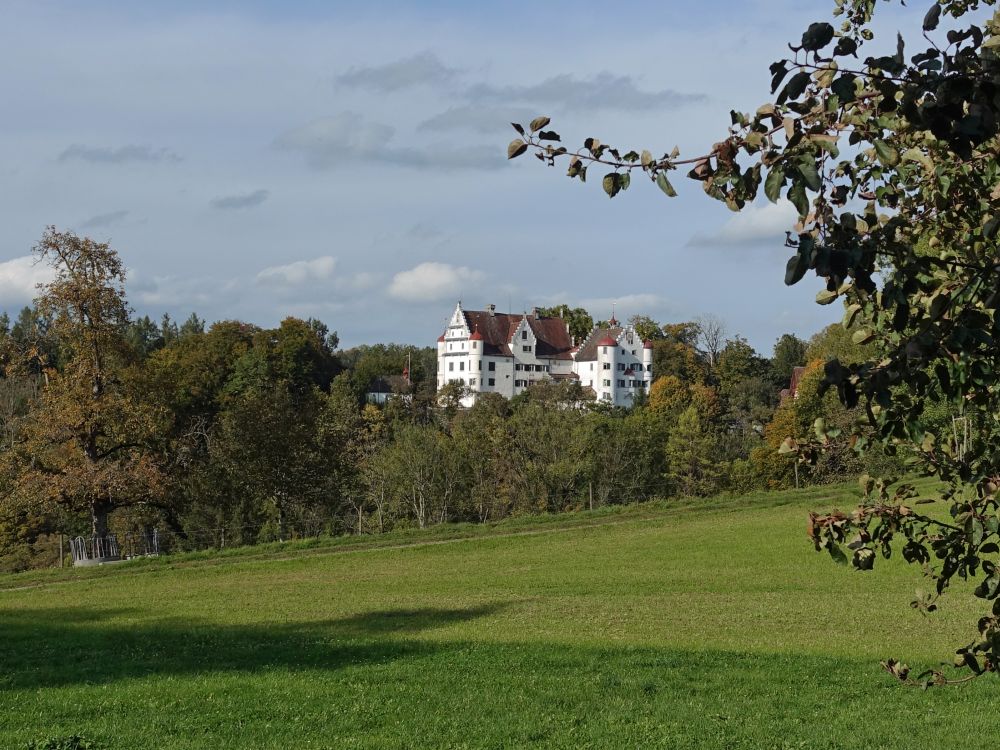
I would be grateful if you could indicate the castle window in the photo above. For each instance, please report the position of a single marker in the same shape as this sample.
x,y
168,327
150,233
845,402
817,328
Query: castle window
x,y
621,383
492,381
606,383
461,366
607,365
621,366
472,381
451,366
526,348
492,366
524,335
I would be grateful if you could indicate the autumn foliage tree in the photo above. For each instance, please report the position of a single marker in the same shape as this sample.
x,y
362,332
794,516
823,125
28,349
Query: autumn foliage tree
x,y
889,156
86,445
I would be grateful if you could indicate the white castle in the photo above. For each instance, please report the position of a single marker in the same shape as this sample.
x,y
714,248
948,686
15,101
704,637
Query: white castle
x,y
491,352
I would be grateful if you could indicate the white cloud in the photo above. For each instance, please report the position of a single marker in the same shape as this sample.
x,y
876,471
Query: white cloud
x,y
241,200
424,68
429,282
348,137
626,305
359,282
756,224
480,118
299,272
104,220
119,155
604,91
20,277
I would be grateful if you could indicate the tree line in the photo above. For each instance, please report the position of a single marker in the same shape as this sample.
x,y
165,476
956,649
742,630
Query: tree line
x,y
235,434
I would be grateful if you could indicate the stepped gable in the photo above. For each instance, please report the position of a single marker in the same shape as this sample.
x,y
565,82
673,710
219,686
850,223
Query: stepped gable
x,y
588,349
553,340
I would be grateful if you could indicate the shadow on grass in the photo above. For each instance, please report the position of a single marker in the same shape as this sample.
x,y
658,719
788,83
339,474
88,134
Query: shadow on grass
x,y
67,646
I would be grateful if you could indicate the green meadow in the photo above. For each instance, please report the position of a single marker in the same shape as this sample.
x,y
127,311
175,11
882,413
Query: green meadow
x,y
702,625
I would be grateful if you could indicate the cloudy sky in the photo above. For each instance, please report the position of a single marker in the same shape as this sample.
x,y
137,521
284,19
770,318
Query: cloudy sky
x,y
346,161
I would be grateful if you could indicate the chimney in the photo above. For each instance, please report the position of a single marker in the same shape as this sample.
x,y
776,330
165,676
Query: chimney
x,y
534,312
491,309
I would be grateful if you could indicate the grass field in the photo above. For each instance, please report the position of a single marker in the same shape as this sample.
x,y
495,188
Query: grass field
x,y
653,627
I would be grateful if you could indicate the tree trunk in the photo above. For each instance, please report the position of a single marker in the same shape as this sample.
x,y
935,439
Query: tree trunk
x,y
99,512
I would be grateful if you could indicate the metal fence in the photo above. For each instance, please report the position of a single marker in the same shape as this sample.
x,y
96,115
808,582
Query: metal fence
x,y
97,550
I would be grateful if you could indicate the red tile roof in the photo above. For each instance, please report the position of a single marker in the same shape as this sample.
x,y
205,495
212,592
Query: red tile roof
x,y
598,337
552,339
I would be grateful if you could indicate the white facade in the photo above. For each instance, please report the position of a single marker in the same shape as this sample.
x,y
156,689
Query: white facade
x,y
508,356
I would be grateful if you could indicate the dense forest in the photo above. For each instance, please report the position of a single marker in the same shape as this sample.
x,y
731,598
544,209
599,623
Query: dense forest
x,y
234,434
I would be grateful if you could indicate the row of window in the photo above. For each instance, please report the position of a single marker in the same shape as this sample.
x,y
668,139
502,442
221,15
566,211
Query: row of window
x,y
532,368
623,366
473,381
621,383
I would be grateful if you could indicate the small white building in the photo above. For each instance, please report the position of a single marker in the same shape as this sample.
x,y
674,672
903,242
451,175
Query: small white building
x,y
491,352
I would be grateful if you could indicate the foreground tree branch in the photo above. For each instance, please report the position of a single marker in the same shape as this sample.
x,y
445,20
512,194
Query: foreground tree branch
x,y
890,160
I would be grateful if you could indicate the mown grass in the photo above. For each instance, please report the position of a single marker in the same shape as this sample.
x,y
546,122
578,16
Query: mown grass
x,y
661,626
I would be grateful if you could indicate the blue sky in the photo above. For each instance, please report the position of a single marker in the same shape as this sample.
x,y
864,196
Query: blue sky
x,y
345,161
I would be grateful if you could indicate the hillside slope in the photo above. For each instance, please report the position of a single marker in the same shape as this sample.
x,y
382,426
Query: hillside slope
x,y
666,627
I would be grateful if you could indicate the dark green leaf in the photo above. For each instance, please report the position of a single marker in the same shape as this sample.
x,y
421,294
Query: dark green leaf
x,y
664,185
843,87
796,268
612,183
794,88
932,18
773,184
817,36
886,153
807,168
797,195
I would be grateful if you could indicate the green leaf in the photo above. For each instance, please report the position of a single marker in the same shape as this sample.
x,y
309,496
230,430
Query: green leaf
x,y
932,18
773,184
850,314
665,186
886,153
817,36
915,154
809,172
797,195
516,148
990,227
844,88
862,337
796,268
794,88
612,183
836,553
538,123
